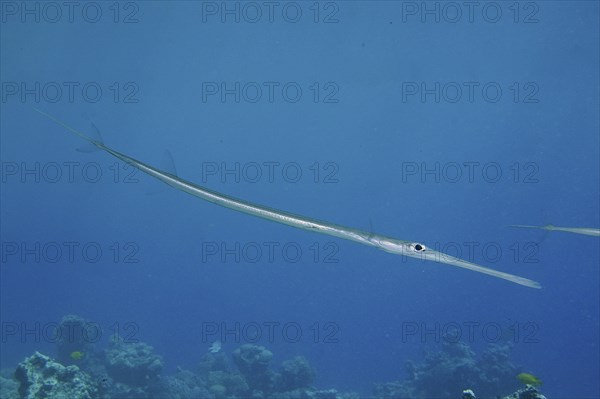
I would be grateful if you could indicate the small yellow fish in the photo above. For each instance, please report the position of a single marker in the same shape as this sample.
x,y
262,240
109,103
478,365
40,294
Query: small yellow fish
x,y
530,379
77,355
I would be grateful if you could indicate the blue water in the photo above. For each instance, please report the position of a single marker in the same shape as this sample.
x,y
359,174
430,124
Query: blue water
x,y
384,132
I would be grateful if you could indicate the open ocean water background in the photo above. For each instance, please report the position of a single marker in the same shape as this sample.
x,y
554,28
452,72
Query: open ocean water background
x,y
370,102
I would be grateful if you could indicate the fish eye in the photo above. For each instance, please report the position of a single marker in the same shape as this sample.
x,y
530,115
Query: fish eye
x,y
419,247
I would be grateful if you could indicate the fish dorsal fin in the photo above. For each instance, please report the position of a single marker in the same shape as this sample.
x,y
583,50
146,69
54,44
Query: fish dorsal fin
x,y
96,137
168,163
95,134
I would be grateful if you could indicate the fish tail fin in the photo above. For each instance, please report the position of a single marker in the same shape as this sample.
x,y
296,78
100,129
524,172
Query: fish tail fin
x,y
95,142
525,226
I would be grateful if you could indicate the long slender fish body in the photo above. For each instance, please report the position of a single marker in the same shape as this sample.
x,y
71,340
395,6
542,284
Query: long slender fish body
x,y
388,244
588,231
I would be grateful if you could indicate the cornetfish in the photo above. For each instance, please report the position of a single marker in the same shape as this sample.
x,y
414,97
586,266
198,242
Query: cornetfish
x,y
578,230
388,244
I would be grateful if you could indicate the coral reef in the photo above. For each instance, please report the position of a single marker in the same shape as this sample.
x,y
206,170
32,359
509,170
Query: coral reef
x,y
42,378
253,361
133,364
8,385
212,362
444,374
529,392
328,394
295,374
234,383
257,380
133,371
75,335
311,394
183,385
